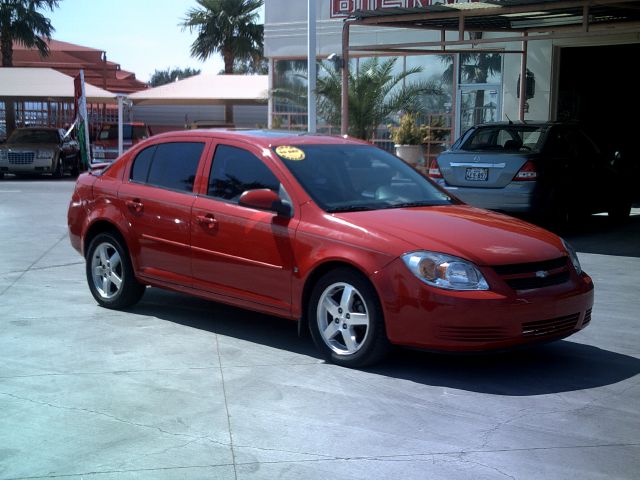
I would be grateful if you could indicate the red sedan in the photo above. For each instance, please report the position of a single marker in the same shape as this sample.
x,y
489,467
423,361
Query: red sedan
x,y
334,233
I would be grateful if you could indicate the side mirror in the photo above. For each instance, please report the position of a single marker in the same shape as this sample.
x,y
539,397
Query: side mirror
x,y
265,199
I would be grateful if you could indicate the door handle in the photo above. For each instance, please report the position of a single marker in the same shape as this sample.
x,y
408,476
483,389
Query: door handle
x,y
207,220
136,205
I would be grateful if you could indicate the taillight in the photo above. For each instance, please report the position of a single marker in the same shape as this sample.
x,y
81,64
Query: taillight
x,y
527,172
434,169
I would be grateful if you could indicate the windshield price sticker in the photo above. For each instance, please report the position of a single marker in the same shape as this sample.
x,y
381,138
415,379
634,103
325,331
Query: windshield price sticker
x,y
290,153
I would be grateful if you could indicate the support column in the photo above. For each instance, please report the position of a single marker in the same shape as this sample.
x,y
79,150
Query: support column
x,y
523,76
311,66
120,132
344,124
272,72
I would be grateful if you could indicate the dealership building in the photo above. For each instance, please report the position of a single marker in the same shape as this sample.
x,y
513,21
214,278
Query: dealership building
x,y
574,59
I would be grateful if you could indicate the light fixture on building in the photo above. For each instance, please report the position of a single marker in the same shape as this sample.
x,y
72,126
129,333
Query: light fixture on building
x,y
337,60
530,85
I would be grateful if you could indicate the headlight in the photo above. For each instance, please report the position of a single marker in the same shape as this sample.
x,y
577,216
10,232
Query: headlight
x,y
445,271
572,255
3,155
44,154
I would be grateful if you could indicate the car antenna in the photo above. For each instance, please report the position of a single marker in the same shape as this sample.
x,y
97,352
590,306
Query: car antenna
x,y
510,122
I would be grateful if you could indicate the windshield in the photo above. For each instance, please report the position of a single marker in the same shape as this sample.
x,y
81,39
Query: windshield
x,y
33,136
129,132
343,178
509,138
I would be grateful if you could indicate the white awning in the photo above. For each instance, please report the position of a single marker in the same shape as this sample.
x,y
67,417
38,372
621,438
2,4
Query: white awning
x,y
40,84
207,89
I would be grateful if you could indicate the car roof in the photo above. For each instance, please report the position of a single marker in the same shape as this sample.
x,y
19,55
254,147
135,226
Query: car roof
x,y
39,128
266,138
134,124
526,123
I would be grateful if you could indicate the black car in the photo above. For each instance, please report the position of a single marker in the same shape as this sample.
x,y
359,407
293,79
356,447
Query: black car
x,y
552,170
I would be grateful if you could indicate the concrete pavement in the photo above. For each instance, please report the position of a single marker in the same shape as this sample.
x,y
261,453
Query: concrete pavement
x,y
181,388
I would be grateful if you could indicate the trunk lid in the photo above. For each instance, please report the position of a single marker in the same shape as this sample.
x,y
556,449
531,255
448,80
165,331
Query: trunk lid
x,y
480,169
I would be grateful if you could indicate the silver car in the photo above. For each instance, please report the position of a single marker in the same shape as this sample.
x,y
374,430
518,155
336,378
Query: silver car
x,y
549,169
40,150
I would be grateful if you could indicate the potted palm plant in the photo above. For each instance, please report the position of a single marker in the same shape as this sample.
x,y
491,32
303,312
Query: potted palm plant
x,y
408,138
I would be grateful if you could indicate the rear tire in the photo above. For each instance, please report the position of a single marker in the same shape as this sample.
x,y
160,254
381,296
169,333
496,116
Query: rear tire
x,y
346,320
620,211
110,274
75,170
59,170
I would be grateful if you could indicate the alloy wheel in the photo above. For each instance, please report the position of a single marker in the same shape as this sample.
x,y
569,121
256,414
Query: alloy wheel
x,y
343,318
107,270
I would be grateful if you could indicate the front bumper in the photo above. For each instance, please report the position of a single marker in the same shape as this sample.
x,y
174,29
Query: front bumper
x,y
418,315
26,163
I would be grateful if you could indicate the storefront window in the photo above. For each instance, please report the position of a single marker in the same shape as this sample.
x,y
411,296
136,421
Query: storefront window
x,y
480,68
290,84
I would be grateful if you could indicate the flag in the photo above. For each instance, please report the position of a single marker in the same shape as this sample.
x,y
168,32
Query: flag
x,y
81,121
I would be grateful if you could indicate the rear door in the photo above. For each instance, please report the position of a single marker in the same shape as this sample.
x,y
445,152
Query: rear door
x,y
489,158
157,203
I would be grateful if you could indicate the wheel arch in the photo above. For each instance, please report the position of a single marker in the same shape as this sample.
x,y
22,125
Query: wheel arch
x,y
312,279
98,227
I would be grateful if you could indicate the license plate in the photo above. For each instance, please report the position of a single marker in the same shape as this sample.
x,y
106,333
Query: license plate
x,y
476,174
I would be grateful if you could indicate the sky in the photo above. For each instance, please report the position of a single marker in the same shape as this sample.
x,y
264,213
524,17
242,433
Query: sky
x,y
141,35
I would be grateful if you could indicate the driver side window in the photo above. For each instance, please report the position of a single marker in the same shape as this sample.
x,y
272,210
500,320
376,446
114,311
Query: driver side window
x,y
234,171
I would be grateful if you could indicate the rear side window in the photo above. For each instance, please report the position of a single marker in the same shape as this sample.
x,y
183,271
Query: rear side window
x,y
138,133
169,165
235,171
140,169
129,132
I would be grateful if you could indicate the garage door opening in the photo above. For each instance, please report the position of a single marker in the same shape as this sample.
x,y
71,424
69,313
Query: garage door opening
x,y
597,89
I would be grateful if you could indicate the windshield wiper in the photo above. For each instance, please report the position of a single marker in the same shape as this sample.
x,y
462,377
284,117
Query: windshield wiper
x,y
422,203
351,208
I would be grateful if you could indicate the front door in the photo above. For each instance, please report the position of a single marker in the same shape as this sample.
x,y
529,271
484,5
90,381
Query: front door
x,y
239,252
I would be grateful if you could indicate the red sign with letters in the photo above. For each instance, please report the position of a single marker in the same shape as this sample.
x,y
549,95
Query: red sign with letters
x,y
344,8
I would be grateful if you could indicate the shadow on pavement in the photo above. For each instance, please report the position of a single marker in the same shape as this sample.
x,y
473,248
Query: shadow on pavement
x,y
224,320
556,367
552,368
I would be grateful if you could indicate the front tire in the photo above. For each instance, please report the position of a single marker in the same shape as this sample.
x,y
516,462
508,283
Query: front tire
x,y
346,320
110,274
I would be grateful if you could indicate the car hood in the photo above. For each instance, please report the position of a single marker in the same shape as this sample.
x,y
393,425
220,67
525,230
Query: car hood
x,y
486,238
29,146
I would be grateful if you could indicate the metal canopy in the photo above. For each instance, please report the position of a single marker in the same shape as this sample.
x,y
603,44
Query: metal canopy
x,y
527,19
504,15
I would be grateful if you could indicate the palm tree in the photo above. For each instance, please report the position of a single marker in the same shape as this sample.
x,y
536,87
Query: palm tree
x,y
375,93
21,21
162,77
227,27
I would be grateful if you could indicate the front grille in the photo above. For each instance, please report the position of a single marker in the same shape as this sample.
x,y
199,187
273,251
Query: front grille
x,y
587,318
527,276
555,326
21,158
472,334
